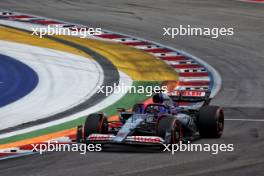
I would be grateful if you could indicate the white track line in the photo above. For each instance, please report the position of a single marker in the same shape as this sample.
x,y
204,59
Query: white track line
x,y
125,80
29,107
65,80
246,120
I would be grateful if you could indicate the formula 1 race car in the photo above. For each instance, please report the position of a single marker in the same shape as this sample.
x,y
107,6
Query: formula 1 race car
x,y
169,119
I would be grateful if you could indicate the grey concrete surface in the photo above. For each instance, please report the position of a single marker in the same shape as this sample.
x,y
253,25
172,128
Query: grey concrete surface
x,y
239,59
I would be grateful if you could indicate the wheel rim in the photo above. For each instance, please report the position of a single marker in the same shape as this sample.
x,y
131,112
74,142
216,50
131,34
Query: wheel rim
x,y
176,133
103,126
220,121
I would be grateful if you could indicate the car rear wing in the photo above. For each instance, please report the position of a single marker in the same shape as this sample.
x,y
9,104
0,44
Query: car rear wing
x,y
189,95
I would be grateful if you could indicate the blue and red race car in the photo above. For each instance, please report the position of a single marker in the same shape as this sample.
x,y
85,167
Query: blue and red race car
x,y
165,121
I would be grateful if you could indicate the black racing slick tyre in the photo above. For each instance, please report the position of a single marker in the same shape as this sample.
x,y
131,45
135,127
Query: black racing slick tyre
x,y
95,123
211,122
169,129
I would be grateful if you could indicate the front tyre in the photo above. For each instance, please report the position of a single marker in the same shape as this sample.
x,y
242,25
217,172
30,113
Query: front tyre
x,y
95,123
169,129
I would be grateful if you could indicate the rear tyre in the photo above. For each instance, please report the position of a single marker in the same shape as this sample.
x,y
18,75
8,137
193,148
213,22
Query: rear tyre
x,y
169,129
95,123
211,122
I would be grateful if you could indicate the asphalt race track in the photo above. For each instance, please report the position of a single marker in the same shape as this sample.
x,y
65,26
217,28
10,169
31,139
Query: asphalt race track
x,y
239,60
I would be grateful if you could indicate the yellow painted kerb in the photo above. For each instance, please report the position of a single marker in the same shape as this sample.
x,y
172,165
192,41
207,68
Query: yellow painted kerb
x,y
139,65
